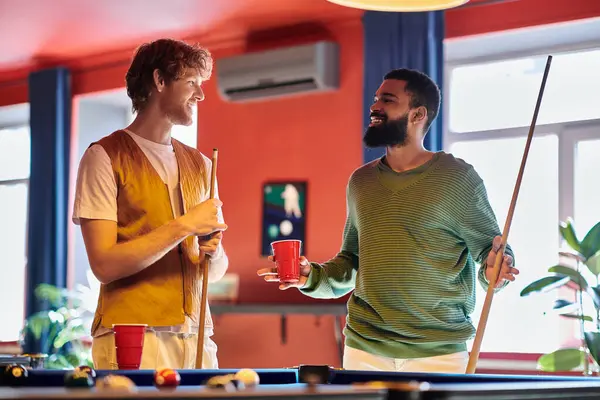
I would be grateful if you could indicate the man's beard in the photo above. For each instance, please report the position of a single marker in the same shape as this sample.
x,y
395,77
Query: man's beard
x,y
388,133
178,113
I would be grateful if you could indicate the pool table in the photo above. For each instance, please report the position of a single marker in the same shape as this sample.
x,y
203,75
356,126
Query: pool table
x,y
323,382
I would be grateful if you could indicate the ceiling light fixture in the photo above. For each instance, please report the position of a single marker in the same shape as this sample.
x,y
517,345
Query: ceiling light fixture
x,y
400,5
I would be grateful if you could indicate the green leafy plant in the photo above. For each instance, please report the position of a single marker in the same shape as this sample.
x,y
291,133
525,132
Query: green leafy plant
x,y
585,252
63,330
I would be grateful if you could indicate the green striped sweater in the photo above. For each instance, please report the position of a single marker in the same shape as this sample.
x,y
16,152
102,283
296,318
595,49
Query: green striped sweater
x,y
410,247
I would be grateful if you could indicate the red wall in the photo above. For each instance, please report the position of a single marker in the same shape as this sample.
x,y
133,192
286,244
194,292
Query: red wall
x,y
315,138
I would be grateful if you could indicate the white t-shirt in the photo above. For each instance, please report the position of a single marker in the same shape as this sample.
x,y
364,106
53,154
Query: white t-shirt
x,y
96,198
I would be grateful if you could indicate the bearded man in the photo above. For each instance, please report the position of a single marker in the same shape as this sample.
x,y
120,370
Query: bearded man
x,y
423,222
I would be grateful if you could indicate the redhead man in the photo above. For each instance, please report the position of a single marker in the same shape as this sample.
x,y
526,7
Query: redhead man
x,y
142,201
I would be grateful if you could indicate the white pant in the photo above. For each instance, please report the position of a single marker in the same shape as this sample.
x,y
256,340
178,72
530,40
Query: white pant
x,y
161,350
360,360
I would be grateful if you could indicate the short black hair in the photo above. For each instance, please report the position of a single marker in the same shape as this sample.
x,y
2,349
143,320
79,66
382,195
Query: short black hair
x,y
422,89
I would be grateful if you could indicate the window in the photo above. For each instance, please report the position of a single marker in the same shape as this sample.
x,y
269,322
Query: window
x,y
502,94
587,192
490,108
14,190
535,217
187,134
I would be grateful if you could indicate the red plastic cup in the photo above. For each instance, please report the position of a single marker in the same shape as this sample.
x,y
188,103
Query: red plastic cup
x,y
286,254
129,343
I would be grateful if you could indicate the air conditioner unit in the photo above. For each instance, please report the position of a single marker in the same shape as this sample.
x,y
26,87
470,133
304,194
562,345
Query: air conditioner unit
x,y
281,72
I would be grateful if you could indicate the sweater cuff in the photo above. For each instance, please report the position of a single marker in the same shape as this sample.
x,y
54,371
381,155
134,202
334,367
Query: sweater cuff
x,y
485,282
312,281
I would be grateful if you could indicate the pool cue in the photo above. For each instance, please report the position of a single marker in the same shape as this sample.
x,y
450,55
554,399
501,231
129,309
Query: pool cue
x,y
205,262
487,305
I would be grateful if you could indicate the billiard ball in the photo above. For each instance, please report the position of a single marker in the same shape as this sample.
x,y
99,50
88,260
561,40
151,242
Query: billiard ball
x,y
166,377
248,376
87,369
78,378
115,382
224,382
15,374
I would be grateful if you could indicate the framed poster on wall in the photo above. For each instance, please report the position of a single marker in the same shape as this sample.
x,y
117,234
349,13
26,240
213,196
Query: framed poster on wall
x,y
284,213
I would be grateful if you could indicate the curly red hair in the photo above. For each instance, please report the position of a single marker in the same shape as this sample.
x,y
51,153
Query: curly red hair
x,y
171,58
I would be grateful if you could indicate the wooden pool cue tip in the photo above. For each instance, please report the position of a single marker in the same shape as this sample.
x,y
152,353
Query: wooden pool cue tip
x,y
205,262
487,305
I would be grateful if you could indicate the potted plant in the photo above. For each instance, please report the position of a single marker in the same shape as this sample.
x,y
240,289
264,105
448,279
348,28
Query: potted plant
x,y
62,331
584,253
